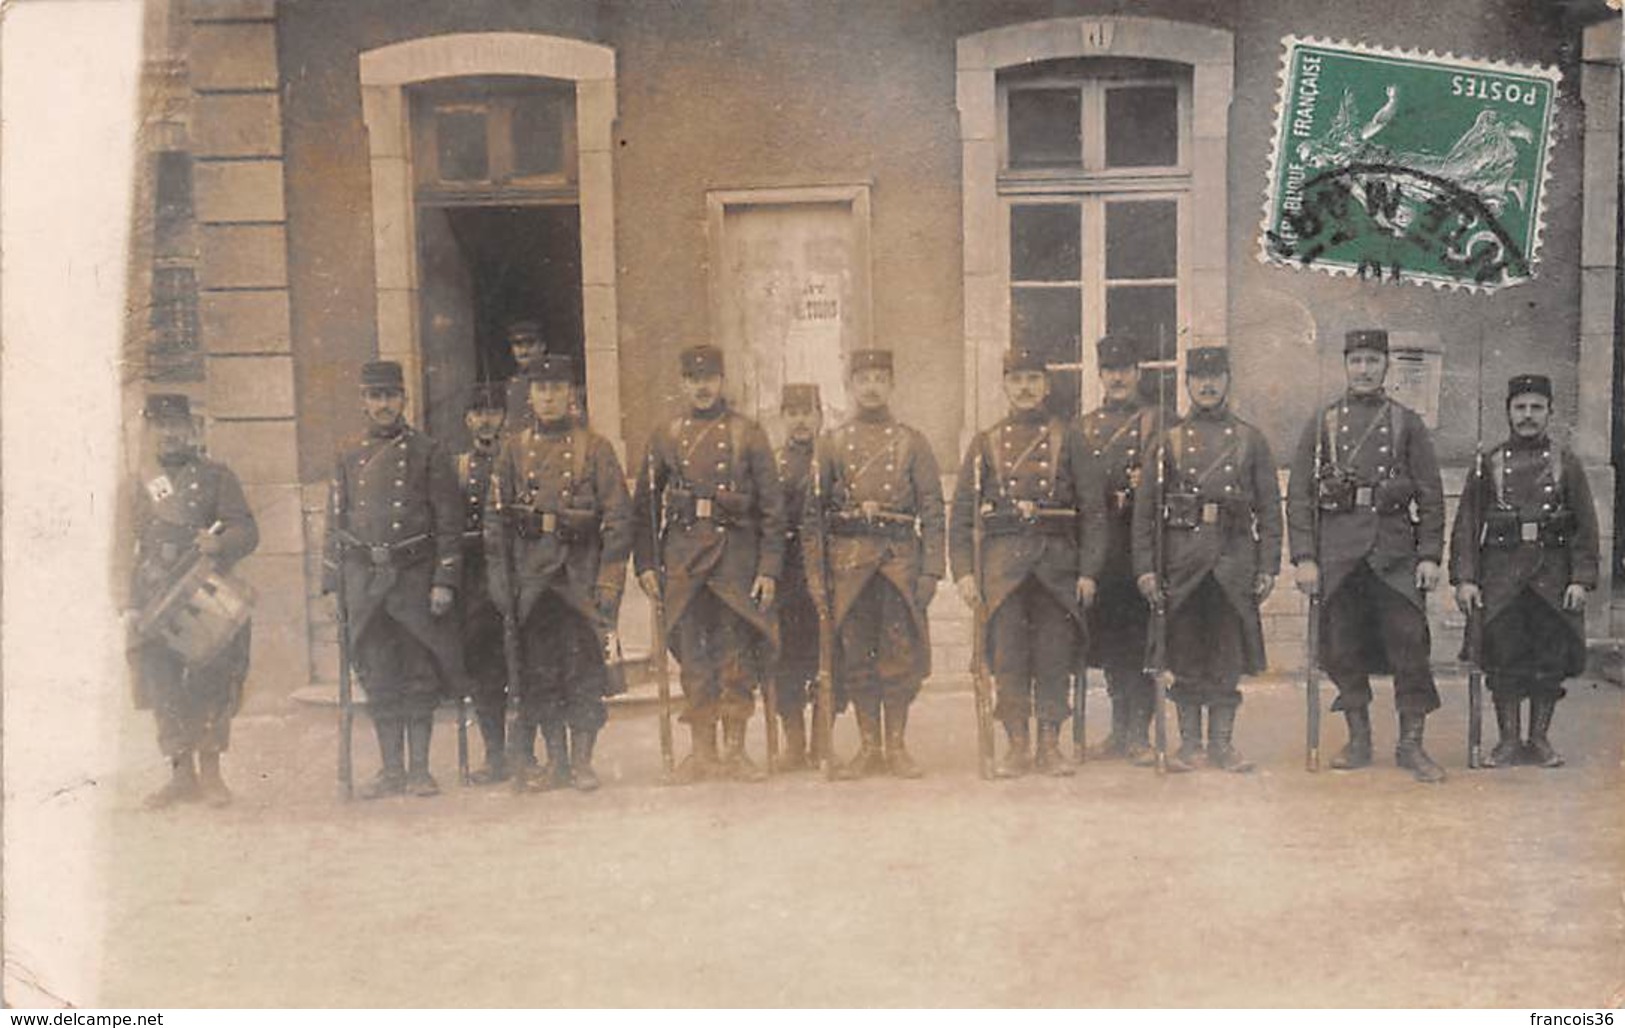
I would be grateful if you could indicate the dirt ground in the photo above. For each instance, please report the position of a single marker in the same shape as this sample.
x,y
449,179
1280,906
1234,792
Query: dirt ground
x,y
1113,888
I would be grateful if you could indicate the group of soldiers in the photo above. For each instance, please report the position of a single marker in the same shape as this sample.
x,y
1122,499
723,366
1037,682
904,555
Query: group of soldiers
x,y
1126,540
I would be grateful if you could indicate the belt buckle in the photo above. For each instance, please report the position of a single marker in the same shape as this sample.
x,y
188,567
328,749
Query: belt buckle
x,y
1362,496
1027,508
702,507
870,509
1529,531
1120,500
550,523
1210,513
381,554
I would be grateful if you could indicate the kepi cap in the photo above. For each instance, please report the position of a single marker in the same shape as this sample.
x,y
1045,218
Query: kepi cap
x,y
704,359
1023,358
487,396
525,329
382,375
552,367
862,360
799,396
167,406
1116,351
1207,360
1517,385
1366,339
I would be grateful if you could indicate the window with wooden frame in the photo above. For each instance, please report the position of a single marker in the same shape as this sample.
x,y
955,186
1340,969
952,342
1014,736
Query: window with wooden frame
x,y
494,138
1094,183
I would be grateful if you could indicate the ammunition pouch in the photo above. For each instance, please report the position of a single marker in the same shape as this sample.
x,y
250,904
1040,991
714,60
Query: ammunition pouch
x,y
686,508
1186,511
570,525
1393,495
1335,490
872,520
1504,529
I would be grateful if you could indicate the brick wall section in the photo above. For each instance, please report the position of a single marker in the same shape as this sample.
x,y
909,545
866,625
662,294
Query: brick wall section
x,y
243,313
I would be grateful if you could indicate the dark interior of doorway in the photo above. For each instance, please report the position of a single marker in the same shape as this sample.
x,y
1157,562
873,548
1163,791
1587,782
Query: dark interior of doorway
x,y
481,268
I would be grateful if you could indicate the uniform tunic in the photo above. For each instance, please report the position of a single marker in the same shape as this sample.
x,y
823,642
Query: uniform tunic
x,y
1220,528
395,531
1530,488
1373,617
561,525
1116,437
193,707
1044,527
711,482
882,522
798,616
482,621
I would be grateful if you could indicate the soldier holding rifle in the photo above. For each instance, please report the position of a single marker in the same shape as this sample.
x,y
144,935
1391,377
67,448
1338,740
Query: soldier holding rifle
x,y
1043,524
557,537
1217,539
709,548
1116,435
193,509
394,534
798,614
1371,551
882,521
1524,552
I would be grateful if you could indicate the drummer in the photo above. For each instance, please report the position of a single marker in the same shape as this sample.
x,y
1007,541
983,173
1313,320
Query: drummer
x,y
190,508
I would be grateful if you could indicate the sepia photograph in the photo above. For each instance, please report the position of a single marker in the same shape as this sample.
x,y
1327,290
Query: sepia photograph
x,y
860,504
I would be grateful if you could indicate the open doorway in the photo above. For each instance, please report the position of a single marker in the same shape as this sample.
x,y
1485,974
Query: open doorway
x,y
482,268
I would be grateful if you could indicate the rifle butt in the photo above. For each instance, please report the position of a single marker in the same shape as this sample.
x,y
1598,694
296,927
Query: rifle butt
x,y
1080,701
657,657
1311,757
463,775
346,756
824,719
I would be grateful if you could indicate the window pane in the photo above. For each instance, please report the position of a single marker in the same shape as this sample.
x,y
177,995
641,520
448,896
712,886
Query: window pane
x,y
1050,321
1147,313
460,135
1044,242
173,353
1045,127
1142,239
1142,126
538,135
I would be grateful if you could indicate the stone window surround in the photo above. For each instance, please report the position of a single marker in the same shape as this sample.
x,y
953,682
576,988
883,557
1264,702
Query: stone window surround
x,y
385,73
1210,53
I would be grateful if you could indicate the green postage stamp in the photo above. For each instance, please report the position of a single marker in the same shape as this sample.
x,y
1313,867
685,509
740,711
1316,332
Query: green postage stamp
x,y
1402,166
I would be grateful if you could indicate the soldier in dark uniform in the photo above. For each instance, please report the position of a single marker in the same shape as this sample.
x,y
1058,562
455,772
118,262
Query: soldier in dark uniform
x,y
1368,465
883,524
482,621
526,344
1044,543
1116,435
394,535
193,506
711,482
1209,557
1524,550
798,615
561,526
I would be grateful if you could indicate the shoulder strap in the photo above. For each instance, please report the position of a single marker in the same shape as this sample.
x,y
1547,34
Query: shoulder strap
x,y
1056,454
1554,467
736,448
1498,474
578,450
1329,425
465,462
991,454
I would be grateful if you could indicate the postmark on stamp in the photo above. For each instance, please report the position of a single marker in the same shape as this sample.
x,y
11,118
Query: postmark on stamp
x,y
1402,166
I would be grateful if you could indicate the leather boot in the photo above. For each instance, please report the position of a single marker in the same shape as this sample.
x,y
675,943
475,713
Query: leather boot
x,y
212,787
1508,718
871,756
1541,708
898,761
493,732
419,782
1410,754
701,762
1018,758
182,786
556,775
1190,753
1221,727
1357,753
1116,744
1049,759
793,754
736,763
391,780
582,776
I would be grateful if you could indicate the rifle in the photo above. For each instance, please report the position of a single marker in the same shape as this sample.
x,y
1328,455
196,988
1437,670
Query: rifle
x,y
1080,700
824,705
657,607
1156,641
1475,615
979,678
1311,672
346,690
